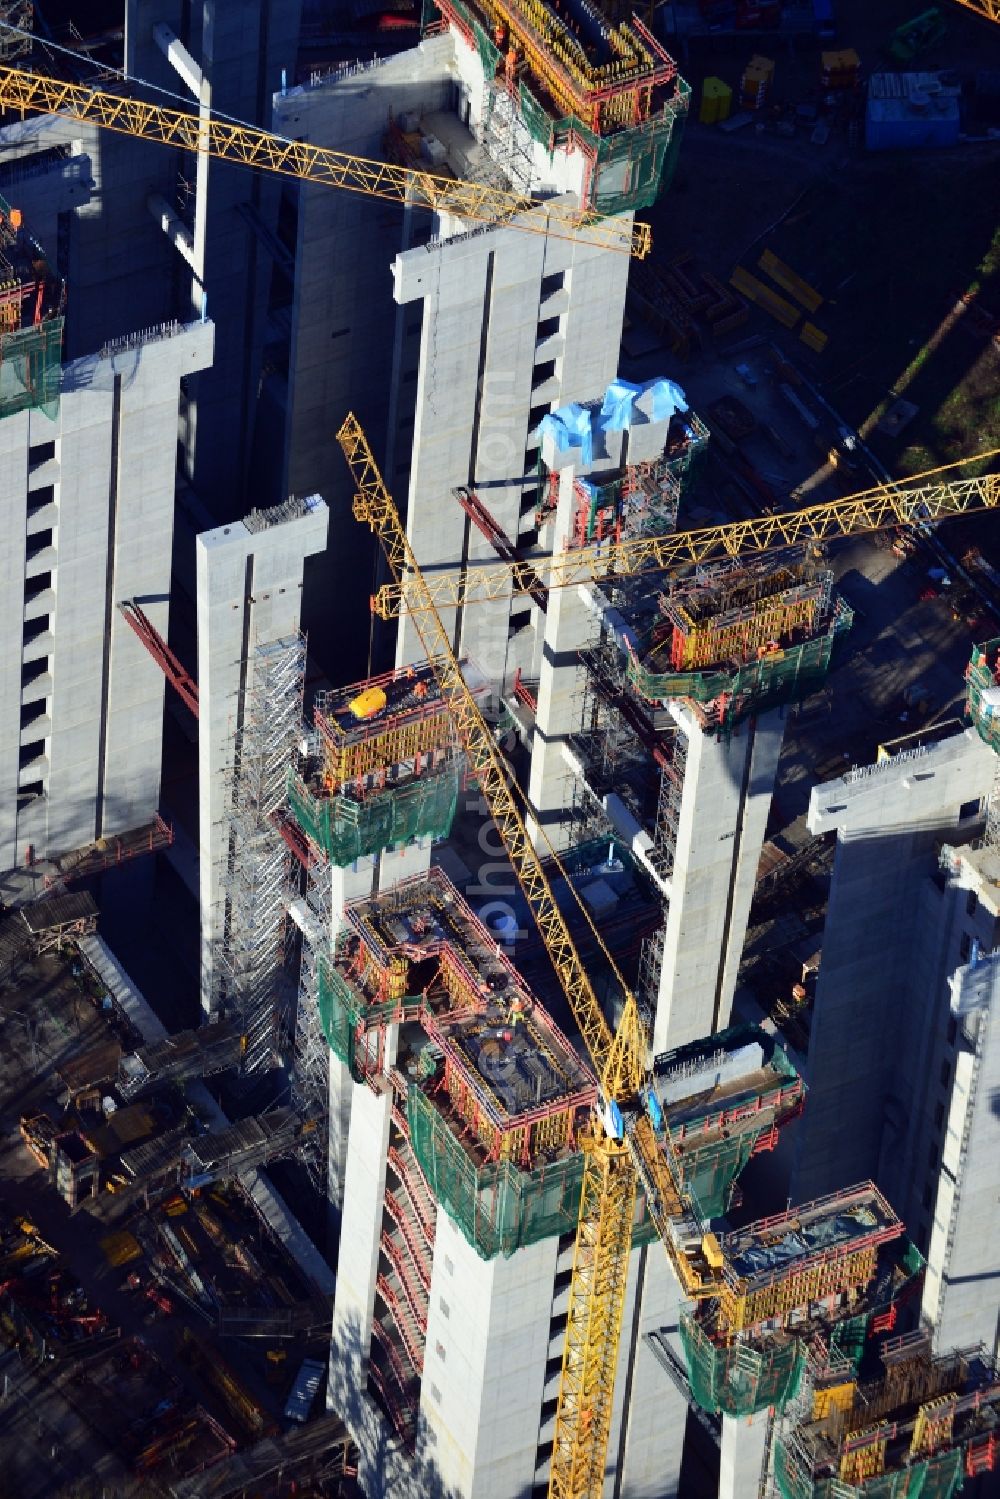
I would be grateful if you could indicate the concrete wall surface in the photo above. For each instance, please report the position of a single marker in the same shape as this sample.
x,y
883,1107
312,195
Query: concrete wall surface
x,y
888,821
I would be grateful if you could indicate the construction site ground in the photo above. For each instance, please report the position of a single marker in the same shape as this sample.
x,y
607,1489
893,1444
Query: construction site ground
x,y
889,239
47,1020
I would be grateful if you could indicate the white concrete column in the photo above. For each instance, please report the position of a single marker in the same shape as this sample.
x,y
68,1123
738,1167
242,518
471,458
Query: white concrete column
x,y
484,1363
354,882
568,626
656,1419
361,1229
724,806
744,1454
249,593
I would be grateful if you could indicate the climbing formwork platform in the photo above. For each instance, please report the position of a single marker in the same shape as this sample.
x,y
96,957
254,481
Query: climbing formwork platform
x,y
383,721
983,692
733,615
736,642
823,1250
915,1432
385,767
723,1101
810,1288
580,83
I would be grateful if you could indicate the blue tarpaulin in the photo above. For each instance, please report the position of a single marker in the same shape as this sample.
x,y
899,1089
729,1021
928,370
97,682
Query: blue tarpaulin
x,y
621,396
570,427
574,426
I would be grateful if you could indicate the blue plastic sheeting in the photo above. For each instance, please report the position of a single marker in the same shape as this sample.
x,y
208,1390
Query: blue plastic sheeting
x,y
570,427
574,426
621,395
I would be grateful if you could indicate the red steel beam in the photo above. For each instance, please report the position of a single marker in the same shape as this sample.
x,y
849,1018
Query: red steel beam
x,y
294,837
525,577
180,680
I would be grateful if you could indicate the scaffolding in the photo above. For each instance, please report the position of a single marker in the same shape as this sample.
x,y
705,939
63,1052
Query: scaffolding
x,y
644,498
504,136
187,1054
618,99
311,1069
249,972
722,697
402,1290
915,1432
32,299
15,16
227,1152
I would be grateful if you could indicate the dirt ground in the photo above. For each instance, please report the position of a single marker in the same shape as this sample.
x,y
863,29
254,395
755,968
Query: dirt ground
x,y
891,240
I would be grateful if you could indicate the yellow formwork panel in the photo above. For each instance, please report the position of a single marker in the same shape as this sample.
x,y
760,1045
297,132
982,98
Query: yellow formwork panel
x,y
834,1397
933,1426
749,287
790,281
866,1460
345,761
740,1307
705,646
813,337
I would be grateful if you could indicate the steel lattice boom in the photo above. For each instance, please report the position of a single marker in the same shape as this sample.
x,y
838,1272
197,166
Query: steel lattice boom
x,y
931,496
28,92
988,8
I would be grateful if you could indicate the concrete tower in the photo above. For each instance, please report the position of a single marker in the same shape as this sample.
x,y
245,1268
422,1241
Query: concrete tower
x,y
451,340
87,481
879,1033
250,680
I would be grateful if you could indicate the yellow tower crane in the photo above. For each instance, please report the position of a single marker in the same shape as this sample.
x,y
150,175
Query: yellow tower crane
x,y
933,495
988,8
26,92
622,1148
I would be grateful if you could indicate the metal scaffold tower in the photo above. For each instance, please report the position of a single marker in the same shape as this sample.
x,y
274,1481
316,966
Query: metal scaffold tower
x,y
249,972
311,1076
504,136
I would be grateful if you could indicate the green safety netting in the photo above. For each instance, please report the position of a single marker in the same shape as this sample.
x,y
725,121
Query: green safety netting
x,y
30,367
710,1173
985,715
937,1477
498,1207
752,688
346,828
848,1338
740,1380
340,1009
